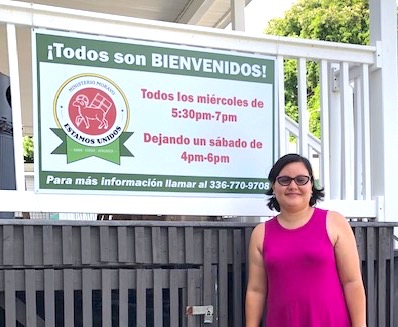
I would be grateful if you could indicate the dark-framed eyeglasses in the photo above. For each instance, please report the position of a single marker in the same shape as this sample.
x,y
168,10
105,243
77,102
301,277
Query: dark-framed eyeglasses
x,y
300,180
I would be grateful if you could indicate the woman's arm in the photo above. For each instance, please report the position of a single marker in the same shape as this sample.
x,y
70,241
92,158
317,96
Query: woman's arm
x,y
257,283
348,265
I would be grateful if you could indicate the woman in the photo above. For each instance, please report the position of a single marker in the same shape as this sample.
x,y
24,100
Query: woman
x,y
304,268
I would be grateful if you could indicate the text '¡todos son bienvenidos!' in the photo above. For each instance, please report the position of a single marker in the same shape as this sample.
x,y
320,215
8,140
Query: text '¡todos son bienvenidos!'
x,y
158,60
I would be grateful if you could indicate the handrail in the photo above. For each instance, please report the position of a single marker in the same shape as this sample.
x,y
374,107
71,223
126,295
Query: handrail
x,y
293,129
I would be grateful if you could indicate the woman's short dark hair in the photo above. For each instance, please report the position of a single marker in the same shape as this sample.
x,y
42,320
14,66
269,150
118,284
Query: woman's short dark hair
x,y
317,193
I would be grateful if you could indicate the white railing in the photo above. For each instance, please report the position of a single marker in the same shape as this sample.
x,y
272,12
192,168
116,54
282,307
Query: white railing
x,y
344,153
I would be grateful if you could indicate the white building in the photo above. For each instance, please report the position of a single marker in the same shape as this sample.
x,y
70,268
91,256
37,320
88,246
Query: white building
x,y
358,153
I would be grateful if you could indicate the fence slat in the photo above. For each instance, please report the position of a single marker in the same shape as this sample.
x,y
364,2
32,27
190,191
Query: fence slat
x,y
189,245
172,244
30,282
48,250
207,261
237,273
49,298
156,249
9,298
139,244
359,233
122,255
371,246
381,280
104,244
86,244
87,297
67,239
173,288
223,278
8,245
28,249
69,316
391,297
157,298
395,288
141,298
123,296
193,293
106,298
214,301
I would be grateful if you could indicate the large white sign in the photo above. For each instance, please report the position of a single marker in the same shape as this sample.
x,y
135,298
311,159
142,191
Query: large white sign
x,y
124,116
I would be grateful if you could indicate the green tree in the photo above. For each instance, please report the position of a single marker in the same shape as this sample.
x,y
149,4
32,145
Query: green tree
x,y
28,148
345,21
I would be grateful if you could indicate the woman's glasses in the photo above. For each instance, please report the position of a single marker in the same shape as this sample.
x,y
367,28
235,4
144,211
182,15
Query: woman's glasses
x,y
300,180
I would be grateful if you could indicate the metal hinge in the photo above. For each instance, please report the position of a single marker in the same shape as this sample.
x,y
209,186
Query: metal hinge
x,y
206,310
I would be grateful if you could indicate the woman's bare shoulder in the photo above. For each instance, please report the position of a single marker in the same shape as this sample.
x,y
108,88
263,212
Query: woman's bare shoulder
x,y
337,219
259,228
337,225
257,235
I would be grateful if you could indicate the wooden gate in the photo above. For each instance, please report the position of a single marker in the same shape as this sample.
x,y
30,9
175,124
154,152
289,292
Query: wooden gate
x,y
114,273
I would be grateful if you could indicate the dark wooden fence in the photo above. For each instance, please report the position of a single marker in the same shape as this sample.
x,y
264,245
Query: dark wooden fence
x,y
395,324
141,273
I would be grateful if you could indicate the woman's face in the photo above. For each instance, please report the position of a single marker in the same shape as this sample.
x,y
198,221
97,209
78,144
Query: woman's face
x,y
293,197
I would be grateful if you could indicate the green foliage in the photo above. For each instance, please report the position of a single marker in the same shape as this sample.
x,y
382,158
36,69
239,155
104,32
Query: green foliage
x,y
28,148
345,21
315,113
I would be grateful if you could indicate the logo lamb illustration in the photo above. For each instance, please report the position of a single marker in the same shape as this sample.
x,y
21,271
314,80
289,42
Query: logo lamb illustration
x,y
96,110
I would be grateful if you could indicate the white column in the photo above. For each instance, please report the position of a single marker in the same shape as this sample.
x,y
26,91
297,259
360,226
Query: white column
x,y
238,15
335,134
383,107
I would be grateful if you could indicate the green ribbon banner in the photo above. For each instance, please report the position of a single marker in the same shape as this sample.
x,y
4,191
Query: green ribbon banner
x,y
76,151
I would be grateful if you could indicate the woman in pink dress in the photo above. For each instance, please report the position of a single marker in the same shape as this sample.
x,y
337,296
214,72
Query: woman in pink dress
x,y
304,267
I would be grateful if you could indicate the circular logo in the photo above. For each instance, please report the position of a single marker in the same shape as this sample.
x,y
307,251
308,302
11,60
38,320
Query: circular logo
x,y
91,109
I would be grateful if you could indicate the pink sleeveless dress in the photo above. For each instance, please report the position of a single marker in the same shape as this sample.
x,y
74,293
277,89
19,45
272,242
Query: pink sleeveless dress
x,y
304,289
